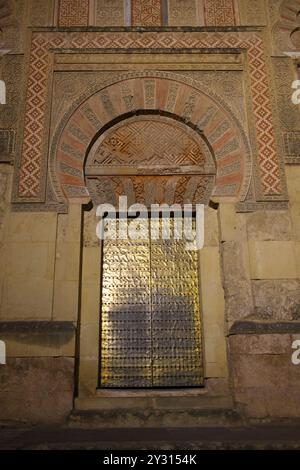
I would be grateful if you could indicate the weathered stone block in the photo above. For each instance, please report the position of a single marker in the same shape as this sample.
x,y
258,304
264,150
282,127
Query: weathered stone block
x,y
272,260
212,296
26,299
266,383
91,262
227,219
69,225
91,220
29,260
36,389
211,229
236,281
67,261
269,225
88,378
277,299
38,338
254,344
32,227
295,214
65,300
293,178
90,301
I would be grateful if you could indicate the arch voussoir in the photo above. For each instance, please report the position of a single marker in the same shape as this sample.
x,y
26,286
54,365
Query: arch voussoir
x,y
154,94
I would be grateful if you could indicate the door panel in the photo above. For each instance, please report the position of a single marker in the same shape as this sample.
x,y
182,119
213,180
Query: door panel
x,y
176,331
126,315
150,326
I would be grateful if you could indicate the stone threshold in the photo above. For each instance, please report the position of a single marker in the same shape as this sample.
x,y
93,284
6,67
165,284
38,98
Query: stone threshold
x,y
158,403
59,437
168,392
156,414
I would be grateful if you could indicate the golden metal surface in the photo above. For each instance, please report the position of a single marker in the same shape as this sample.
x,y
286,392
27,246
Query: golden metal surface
x,y
150,319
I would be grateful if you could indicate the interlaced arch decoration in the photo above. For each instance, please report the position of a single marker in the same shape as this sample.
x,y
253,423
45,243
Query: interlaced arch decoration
x,y
146,93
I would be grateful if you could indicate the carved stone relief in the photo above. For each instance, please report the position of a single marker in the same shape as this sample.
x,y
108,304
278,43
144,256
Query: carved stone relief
x,y
224,135
109,13
30,185
285,24
157,160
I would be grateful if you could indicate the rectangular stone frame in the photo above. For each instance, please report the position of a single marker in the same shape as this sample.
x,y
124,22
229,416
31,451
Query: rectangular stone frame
x,y
213,333
30,177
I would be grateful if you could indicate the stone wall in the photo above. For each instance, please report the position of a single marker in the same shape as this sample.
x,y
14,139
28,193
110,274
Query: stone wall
x,y
39,280
266,383
50,258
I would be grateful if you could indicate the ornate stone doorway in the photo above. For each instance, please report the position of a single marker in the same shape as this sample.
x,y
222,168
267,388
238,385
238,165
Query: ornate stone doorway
x,y
150,333
150,316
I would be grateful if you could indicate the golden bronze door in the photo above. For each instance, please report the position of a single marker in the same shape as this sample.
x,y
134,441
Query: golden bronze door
x,y
150,315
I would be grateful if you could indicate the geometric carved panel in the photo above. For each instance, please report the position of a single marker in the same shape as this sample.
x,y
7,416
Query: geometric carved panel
x,y
171,163
148,142
73,13
146,13
109,13
292,147
220,12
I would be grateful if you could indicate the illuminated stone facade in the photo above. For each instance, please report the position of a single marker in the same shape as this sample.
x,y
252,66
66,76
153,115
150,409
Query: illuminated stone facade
x,y
163,101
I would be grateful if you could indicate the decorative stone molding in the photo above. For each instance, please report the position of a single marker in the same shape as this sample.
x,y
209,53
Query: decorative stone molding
x,y
154,93
254,327
292,147
7,145
37,327
31,176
